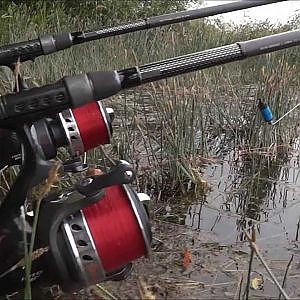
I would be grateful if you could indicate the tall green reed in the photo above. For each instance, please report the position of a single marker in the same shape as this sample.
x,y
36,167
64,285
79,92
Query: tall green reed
x,y
166,128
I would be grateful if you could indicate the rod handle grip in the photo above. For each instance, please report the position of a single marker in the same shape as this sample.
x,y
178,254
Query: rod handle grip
x,y
21,51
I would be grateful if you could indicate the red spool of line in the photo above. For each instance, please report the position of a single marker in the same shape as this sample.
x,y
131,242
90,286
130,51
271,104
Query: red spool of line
x,y
93,125
116,228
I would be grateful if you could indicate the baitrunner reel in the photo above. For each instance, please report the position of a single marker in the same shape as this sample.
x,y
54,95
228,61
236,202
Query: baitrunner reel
x,y
99,240
93,233
80,129
95,230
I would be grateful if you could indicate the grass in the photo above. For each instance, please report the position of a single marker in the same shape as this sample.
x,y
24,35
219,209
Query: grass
x,y
165,129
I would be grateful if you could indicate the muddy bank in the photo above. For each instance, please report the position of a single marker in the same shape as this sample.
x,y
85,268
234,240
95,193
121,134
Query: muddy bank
x,y
216,270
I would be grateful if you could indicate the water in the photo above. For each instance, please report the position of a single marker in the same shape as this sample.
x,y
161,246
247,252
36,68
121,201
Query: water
x,y
247,186
251,191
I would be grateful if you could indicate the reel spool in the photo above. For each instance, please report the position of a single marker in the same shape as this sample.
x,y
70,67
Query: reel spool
x,y
81,129
99,242
119,226
87,127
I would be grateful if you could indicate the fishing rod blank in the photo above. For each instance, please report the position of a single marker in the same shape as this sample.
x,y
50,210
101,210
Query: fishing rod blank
x,y
168,19
208,58
74,91
47,44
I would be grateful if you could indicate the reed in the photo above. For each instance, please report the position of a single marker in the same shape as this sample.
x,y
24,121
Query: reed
x,y
169,129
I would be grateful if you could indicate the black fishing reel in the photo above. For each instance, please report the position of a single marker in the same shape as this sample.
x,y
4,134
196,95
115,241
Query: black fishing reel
x,y
109,231
93,232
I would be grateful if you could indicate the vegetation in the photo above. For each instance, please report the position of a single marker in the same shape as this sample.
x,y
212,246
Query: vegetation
x,y
172,129
103,12
168,128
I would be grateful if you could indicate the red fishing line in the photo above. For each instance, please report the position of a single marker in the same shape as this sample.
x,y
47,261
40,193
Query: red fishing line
x,y
115,229
91,125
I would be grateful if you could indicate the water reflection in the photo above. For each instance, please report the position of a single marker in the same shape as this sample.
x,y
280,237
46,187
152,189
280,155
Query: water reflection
x,y
250,188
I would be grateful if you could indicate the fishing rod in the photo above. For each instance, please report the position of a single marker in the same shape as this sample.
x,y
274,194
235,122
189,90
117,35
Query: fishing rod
x,y
74,91
44,45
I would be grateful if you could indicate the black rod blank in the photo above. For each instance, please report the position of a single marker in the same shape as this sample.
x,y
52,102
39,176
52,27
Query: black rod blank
x,y
168,19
